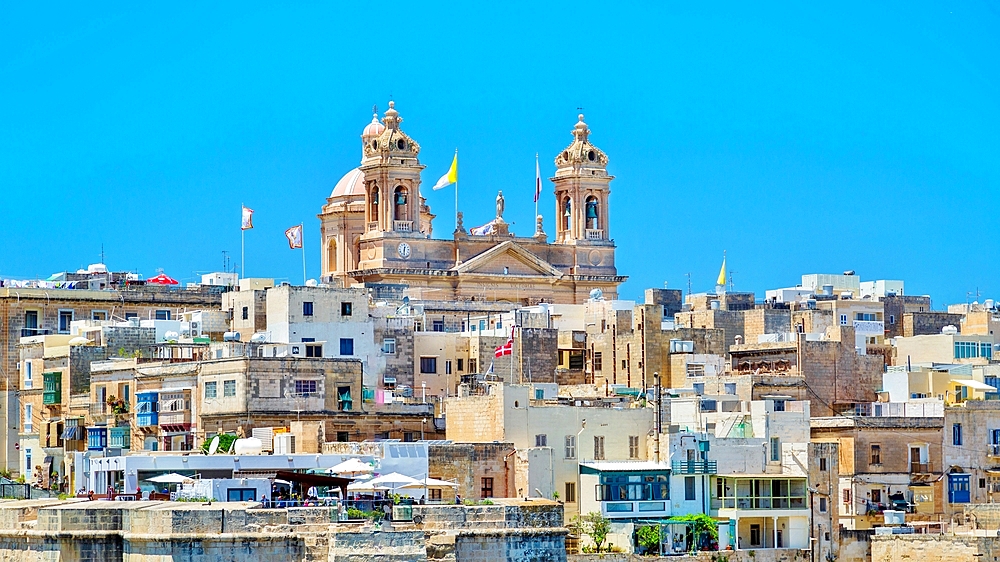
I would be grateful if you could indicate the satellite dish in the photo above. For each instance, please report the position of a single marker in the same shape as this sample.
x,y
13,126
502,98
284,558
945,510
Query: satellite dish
x,y
406,300
214,445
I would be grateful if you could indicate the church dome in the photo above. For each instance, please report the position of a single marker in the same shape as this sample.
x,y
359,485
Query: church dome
x,y
373,129
353,183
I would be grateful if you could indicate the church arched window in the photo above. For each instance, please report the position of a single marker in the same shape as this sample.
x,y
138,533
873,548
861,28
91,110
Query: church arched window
x,y
331,256
593,217
567,213
373,205
399,198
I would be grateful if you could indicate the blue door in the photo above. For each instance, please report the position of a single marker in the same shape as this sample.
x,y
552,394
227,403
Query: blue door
x,y
958,488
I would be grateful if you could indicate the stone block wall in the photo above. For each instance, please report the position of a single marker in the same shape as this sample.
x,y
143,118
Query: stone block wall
x,y
468,463
928,323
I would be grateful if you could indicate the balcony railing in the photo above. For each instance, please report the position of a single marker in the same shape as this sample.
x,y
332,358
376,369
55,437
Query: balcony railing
x,y
920,468
994,450
694,467
178,417
595,234
402,226
99,410
869,327
28,332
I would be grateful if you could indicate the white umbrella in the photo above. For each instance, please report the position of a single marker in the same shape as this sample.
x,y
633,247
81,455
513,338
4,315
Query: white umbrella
x,y
172,478
431,483
364,487
351,466
393,480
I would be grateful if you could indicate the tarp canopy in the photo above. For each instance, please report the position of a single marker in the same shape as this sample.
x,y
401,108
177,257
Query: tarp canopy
x,y
351,466
162,279
431,483
973,384
172,478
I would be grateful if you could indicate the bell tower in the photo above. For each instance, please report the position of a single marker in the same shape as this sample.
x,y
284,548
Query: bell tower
x,y
582,186
391,179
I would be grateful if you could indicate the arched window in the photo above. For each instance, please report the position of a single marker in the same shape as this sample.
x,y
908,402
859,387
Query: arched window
x,y
331,256
373,205
593,220
567,213
399,204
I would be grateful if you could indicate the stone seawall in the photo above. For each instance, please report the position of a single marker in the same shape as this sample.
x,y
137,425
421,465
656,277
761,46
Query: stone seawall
x,y
149,531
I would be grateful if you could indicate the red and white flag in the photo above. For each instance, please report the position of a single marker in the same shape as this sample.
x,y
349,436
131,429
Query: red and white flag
x,y
294,236
538,181
247,218
507,348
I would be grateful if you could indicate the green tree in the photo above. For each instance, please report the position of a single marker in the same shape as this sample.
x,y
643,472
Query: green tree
x,y
596,526
704,526
649,538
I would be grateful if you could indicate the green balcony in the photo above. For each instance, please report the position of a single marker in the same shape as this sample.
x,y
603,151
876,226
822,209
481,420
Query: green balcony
x,y
52,394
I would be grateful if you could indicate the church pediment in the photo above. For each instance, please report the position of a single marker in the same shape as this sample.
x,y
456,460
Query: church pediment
x,y
508,258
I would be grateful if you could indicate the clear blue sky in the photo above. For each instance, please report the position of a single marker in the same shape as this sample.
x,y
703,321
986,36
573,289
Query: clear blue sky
x,y
801,138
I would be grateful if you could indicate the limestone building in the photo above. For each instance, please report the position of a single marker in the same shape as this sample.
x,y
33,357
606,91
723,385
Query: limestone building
x,y
376,229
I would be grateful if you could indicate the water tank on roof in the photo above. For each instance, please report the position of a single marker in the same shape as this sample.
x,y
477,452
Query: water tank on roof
x,y
97,268
259,337
988,303
846,295
596,295
810,304
826,290
949,329
311,283
248,446
231,336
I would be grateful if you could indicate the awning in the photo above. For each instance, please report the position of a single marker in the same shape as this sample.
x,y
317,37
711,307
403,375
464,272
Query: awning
x,y
71,433
315,480
973,384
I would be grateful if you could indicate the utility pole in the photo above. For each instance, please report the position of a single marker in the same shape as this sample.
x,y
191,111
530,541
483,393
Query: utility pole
x,y
658,414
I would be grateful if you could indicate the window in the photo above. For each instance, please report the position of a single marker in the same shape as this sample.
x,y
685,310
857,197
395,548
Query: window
x,y
775,449
435,494
541,440
307,308
689,494
472,365
314,350
408,437
633,446
246,312
345,309
598,447
570,447
31,319
27,374
822,505
130,315
428,365
389,346
846,493
956,434
305,387
539,394
730,388
779,405
486,491
347,346
570,495
822,464
343,437
241,494
447,367
624,364
99,315
65,318
229,388
598,361
876,454
843,319
892,318
576,360
460,365
27,418
865,316
163,315
437,326
344,401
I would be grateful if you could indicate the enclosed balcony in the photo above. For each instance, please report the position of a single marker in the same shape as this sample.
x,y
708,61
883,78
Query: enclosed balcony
x,y
52,395
146,409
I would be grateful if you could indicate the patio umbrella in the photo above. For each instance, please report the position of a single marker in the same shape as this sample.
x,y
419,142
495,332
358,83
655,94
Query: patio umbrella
x,y
351,466
172,478
162,279
393,480
431,483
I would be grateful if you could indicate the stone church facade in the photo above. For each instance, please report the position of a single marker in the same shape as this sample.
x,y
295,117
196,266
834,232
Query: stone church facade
x,y
376,229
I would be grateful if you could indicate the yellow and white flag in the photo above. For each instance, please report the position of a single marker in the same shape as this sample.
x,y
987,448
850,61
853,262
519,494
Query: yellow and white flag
x,y
722,273
294,236
247,218
451,177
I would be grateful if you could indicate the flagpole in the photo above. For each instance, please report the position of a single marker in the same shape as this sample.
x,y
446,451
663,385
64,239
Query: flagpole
x,y
243,244
303,246
536,188
456,191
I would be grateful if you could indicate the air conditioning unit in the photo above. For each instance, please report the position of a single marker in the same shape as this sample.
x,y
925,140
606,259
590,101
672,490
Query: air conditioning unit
x,y
284,444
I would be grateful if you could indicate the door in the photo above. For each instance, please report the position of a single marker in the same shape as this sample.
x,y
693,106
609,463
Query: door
x,y
915,459
958,488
